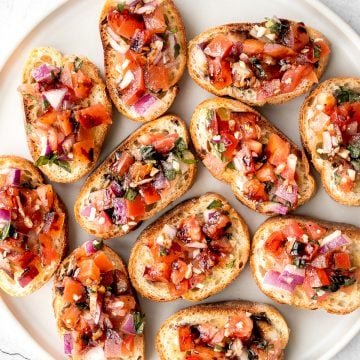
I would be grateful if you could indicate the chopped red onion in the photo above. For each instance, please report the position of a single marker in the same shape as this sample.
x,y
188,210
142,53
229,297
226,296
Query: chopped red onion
x,y
292,275
48,221
89,247
55,97
145,9
333,241
273,207
128,325
272,278
288,193
68,343
13,177
160,182
196,245
144,103
5,216
68,143
170,231
95,307
89,212
44,73
28,275
116,189
112,344
120,211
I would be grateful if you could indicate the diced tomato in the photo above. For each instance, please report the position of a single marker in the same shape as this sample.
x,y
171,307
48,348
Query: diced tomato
x,y
158,272
73,290
220,73
53,139
27,276
82,84
139,171
275,243
149,138
293,230
185,338
193,357
219,46
65,122
70,316
268,88
266,173
104,222
324,48
346,184
255,190
132,93
314,230
23,259
278,51
278,149
342,261
230,144
57,225
121,166
190,229
296,37
294,76
84,151
124,24
135,208
240,326
140,39
46,195
316,277
306,286
47,249
205,353
165,143
196,279
127,346
246,124
92,116
252,47
128,300
84,134
214,164
103,262
180,288
89,273
150,195
178,272
157,77
48,118
155,21
254,146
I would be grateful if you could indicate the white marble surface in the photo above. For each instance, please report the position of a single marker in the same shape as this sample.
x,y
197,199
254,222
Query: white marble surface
x,y
17,17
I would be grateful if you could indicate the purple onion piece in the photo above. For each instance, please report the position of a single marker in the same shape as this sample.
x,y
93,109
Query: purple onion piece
x,y
291,197
44,73
160,181
86,211
89,248
128,325
48,221
13,177
116,189
144,103
333,244
68,343
68,143
292,275
273,207
272,278
5,216
202,45
120,211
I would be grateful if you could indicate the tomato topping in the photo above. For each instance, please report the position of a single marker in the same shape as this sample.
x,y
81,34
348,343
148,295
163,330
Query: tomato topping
x,y
47,249
65,122
316,277
124,24
219,46
342,261
23,259
127,346
275,243
150,195
268,88
314,230
278,149
132,93
155,21
135,208
84,151
294,76
48,118
81,84
89,273
220,73
230,144
158,271
278,51
157,77
73,290
103,262
92,116
266,173
27,276
46,195
214,164
122,165
128,300
165,143
252,47
293,230
255,190
71,316
190,230
322,261
104,222
185,338
240,326
180,288
296,36
179,269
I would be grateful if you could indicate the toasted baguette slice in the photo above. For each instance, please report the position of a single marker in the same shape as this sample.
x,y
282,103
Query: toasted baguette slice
x,y
32,178
326,167
217,315
339,302
98,95
202,137
59,304
220,277
117,48
198,67
171,124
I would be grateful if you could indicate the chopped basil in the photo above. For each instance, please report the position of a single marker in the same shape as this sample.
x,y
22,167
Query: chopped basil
x,y
220,147
230,264
5,231
210,115
188,161
354,150
98,244
317,51
260,317
263,344
147,152
170,174
163,251
180,150
276,26
346,95
120,7
252,355
297,249
139,322
176,50
337,179
218,348
45,104
53,159
230,165
82,305
259,71
174,30
300,263
215,204
77,64
336,282
130,194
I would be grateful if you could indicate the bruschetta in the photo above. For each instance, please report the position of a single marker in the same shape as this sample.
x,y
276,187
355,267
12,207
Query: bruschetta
x,y
308,263
225,330
33,227
142,176
67,113
267,172
258,63
193,251
144,54
330,132
97,313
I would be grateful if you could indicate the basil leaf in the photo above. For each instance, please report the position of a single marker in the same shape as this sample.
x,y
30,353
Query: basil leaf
x,y
277,26
220,147
176,50
174,30
210,115
317,51
82,305
252,355
147,152
120,7
163,251
188,161
53,159
139,322
77,64
230,264
337,179
230,165
215,204
260,317
300,263
346,95
98,244
170,174
130,194
5,231
45,104
354,150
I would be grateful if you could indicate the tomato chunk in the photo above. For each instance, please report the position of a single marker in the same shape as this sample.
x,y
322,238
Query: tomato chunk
x,y
48,118
92,116
65,122
240,326
255,190
185,338
135,208
278,51
82,84
293,230
316,277
252,46
127,346
230,144
47,250
157,77
266,173
71,316
158,272
219,46
122,165
46,195
155,21
103,262
165,143
220,73
73,290
274,243
314,230
342,261
84,151
278,149
124,24
150,195
296,36
293,77
89,273
132,93
27,276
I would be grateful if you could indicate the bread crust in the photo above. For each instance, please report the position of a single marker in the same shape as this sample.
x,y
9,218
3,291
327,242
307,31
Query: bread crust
x,y
220,278
307,185
97,95
337,303
168,349
324,166
168,122
175,21
6,283
244,95
139,345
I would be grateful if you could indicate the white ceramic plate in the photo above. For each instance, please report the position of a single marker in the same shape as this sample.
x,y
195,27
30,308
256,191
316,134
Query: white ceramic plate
x,y
73,28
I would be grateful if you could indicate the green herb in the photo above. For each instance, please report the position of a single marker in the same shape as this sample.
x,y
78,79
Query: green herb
x,y
337,179
346,95
77,64
354,150
219,147
317,51
5,231
163,251
82,305
336,282
147,152
276,26
300,263
348,282
252,355
120,7
218,348
45,104
109,288
215,204
53,159
188,161
176,50
180,150
210,115
259,71
174,30
130,194
139,322
170,174
230,165
98,244
230,264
